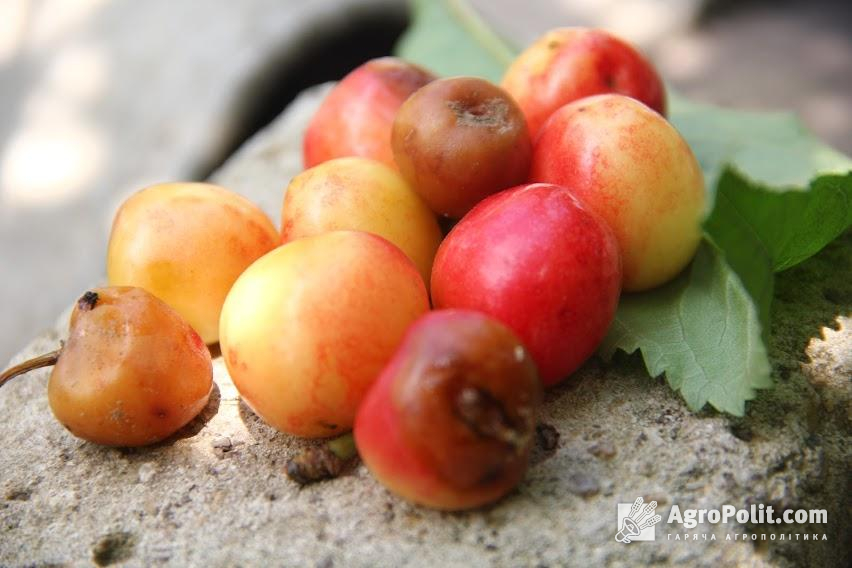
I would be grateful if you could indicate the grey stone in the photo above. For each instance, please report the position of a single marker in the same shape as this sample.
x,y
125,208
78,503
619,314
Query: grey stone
x,y
185,502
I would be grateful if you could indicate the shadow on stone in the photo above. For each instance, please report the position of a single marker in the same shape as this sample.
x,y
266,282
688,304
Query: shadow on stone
x,y
809,297
255,425
215,350
328,50
264,433
289,446
188,431
197,424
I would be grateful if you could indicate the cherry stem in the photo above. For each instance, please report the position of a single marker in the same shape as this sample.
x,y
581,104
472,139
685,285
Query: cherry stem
x,y
343,446
46,360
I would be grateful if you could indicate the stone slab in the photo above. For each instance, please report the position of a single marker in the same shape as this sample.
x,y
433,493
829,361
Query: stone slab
x,y
216,494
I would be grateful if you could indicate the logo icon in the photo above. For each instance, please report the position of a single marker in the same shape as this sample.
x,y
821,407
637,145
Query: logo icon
x,y
635,523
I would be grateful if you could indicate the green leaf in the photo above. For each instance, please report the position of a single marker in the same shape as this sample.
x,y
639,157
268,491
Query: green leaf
x,y
764,230
790,226
449,38
772,149
701,331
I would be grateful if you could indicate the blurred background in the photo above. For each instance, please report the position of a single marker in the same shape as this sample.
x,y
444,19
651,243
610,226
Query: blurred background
x,y
99,98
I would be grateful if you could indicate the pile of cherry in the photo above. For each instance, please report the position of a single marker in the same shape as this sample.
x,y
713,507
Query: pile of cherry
x,y
568,185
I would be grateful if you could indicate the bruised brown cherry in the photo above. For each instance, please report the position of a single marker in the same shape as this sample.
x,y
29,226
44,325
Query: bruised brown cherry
x,y
451,420
458,140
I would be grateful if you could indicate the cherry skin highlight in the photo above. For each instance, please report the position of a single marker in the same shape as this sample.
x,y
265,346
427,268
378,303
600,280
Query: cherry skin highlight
x,y
538,260
309,326
362,195
567,64
630,166
186,243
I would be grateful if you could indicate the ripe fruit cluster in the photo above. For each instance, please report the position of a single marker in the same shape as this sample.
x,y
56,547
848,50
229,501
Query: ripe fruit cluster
x,y
568,186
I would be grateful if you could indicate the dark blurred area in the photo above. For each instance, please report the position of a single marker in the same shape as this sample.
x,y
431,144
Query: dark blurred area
x,y
785,55
319,59
98,98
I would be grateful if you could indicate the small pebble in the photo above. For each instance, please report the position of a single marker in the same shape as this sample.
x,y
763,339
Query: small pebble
x,y
583,485
546,442
146,472
18,494
547,437
604,450
222,443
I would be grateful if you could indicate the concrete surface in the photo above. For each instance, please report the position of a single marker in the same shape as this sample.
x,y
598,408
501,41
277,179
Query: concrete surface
x,y
98,99
216,494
